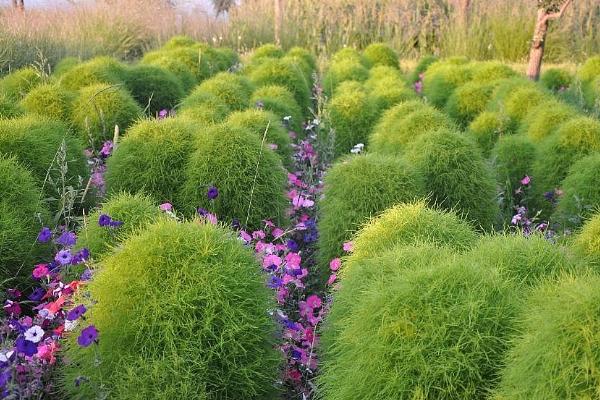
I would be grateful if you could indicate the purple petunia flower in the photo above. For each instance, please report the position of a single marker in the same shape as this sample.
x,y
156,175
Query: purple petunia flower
x,y
37,294
88,336
25,346
5,377
106,149
212,193
104,220
115,224
67,239
45,235
76,312
63,257
274,282
203,212
86,275
292,245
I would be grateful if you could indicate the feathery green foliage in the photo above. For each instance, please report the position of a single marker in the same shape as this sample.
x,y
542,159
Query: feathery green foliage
x,y
456,175
556,79
49,100
468,101
357,188
590,69
64,65
98,108
17,84
489,71
421,68
177,68
99,70
387,87
232,89
280,101
556,352
381,54
305,55
204,107
542,120
341,71
521,100
182,311
266,51
587,241
487,128
248,175
441,79
349,54
151,158
153,88
8,107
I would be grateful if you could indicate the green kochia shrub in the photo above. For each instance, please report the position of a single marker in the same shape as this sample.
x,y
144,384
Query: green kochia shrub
x,y
421,67
197,325
412,223
543,120
98,108
153,87
49,100
8,107
179,41
38,145
352,113
177,68
396,130
349,54
134,211
16,85
521,100
100,70
284,72
151,158
202,106
280,101
341,71
487,128
21,216
64,65
468,101
556,79
199,61
305,55
581,191
387,87
587,242
249,177
456,175
359,187
442,79
489,71
264,123
381,54
590,69
232,89
266,51
556,352
428,332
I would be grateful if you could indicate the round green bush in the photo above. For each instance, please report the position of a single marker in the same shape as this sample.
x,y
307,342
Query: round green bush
x,y
489,71
542,120
304,54
587,241
226,57
8,107
135,211
381,72
591,93
266,51
440,82
203,107
456,175
38,144
268,125
392,136
280,101
301,64
421,67
98,108
387,86
521,100
352,114
179,41
506,87
151,158
556,79
411,223
153,88
468,101
64,65
357,188
590,69
342,71
381,54
182,312
487,128
17,84
105,70
249,177
427,332
22,215
176,67
193,57
555,352
49,100
349,54
232,89
581,191
284,72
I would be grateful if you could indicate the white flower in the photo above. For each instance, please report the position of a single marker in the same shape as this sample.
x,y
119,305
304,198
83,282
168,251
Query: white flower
x,y
70,325
34,334
5,357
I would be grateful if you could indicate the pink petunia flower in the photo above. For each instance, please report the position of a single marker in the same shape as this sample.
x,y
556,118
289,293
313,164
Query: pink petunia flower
x,y
335,264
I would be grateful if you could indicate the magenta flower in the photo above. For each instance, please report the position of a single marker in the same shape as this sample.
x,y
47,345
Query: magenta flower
x,y
313,301
40,271
332,279
348,246
526,180
88,336
335,264
271,261
166,207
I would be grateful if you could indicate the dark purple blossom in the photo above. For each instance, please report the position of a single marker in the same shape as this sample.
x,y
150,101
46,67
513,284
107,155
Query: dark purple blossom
x,y
203,212
212,193
104,220
292,245
45,235
25,346
88,336
76,312
67,239
274,282
86,275
37,294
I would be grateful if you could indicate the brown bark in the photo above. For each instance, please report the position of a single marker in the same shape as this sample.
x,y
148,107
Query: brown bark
x,y
21,5
278,15
536,54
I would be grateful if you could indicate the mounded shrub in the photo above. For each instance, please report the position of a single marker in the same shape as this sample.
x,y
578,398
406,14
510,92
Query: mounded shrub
x,y
380,72
8,107
521,100
556,79
581,191
591,93
22,215
135,211
151,158
391,136
226,57
421,67
266,51
338,72
506,87
542,120
387,87
98,108
357,188
179,41
280,101
487,128
590,69
153,88
381,54
204,107
587,241
555,353
49,100
249,177
284,72
199,60
198,329
349,54
268,125
232,89
441,80
17,84
99,70
304,54
35,142
468,101
352,114
177,68
456,175
428,332
64,65
489,71
411,223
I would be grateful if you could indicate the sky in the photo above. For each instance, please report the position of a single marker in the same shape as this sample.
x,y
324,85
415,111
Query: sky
x,y
60,3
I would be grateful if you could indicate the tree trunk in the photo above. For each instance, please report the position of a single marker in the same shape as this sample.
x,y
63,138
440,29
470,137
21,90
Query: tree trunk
x,y
21,5
536,54
278,21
